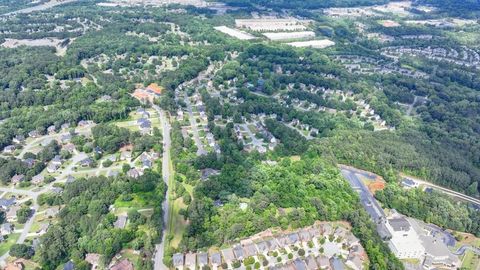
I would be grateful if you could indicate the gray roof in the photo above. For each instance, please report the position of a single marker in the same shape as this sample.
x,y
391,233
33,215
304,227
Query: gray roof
x,y
178,259
202,258
238,251
299,264
121,222
216,258
399,224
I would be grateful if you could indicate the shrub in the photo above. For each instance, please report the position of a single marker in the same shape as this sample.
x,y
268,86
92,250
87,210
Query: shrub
x,y
301,252
290,256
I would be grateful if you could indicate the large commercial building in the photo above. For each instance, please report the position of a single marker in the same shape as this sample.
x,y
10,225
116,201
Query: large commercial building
x,y
405,242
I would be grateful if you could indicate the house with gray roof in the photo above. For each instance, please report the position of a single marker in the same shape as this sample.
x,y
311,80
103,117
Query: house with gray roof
x,y
250,250
121,222
299,264
178,260
202,258
216,259
238,251
311,263
191,260
228,255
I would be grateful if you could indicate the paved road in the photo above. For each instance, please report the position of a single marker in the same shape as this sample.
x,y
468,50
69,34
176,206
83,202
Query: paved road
x,y
160,248
464,248
445,190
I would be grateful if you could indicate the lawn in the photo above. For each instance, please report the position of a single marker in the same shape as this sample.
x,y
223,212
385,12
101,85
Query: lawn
x,y
140,200
5,246
470,261
177,223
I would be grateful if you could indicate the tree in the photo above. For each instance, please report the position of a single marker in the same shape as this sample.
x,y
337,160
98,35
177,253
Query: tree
x,y
22,251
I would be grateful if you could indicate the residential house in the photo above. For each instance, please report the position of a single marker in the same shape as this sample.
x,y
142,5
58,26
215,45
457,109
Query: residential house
x,y
84,123
216,259
323,262
178,260
93,259
311,263
202,259
336,263
6,203
9,149
65,126
70,179
57,160
147,164
98,150
69,266
38,179
206,173
52,211
299,264
34,134
43,228
11,214
6,229
262,247
250,250
124,264
52,167
354,262
19,139
121,222
70,147
125,155
17,178
133,173
190,260
16,265
238,251
51,129
228,255
66,138
30,162
86,162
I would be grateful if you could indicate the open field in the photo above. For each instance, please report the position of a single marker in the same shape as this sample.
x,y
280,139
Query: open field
x,y
51,42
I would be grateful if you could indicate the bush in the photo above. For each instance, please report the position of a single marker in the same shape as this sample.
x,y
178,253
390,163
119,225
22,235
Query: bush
x,y
279,259
236,264
257,265
249,261
275,254
301,252
290,256
265,263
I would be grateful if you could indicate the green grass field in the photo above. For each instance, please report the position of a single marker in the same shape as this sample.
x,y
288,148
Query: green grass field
x,y
5,246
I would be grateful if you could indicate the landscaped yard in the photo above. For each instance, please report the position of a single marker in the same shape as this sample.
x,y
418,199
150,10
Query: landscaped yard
x,y
5,246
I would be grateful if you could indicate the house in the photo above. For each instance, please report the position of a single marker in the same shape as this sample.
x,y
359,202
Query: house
x,y
57,160
9,149
125,155
65,138
323,262
70,179
293,238
52,167
206,173
84,123
178,260
250,250
11,214
262,247
238,251
52,211
33,134
354,262
98,150
121,222
43,228
70,147
86,162
216,259
6,229
408,183
69,266
65,126
93,259
154,89
299,264
133,173
311,263
228,255
147,164
15,265
6,203
57,190
336,263
190,260
30,162
304,235
17,178
19,139
51,129
38,179
124,264
202,259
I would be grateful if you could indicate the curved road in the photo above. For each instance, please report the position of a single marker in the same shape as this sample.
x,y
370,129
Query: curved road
x,y
160,248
